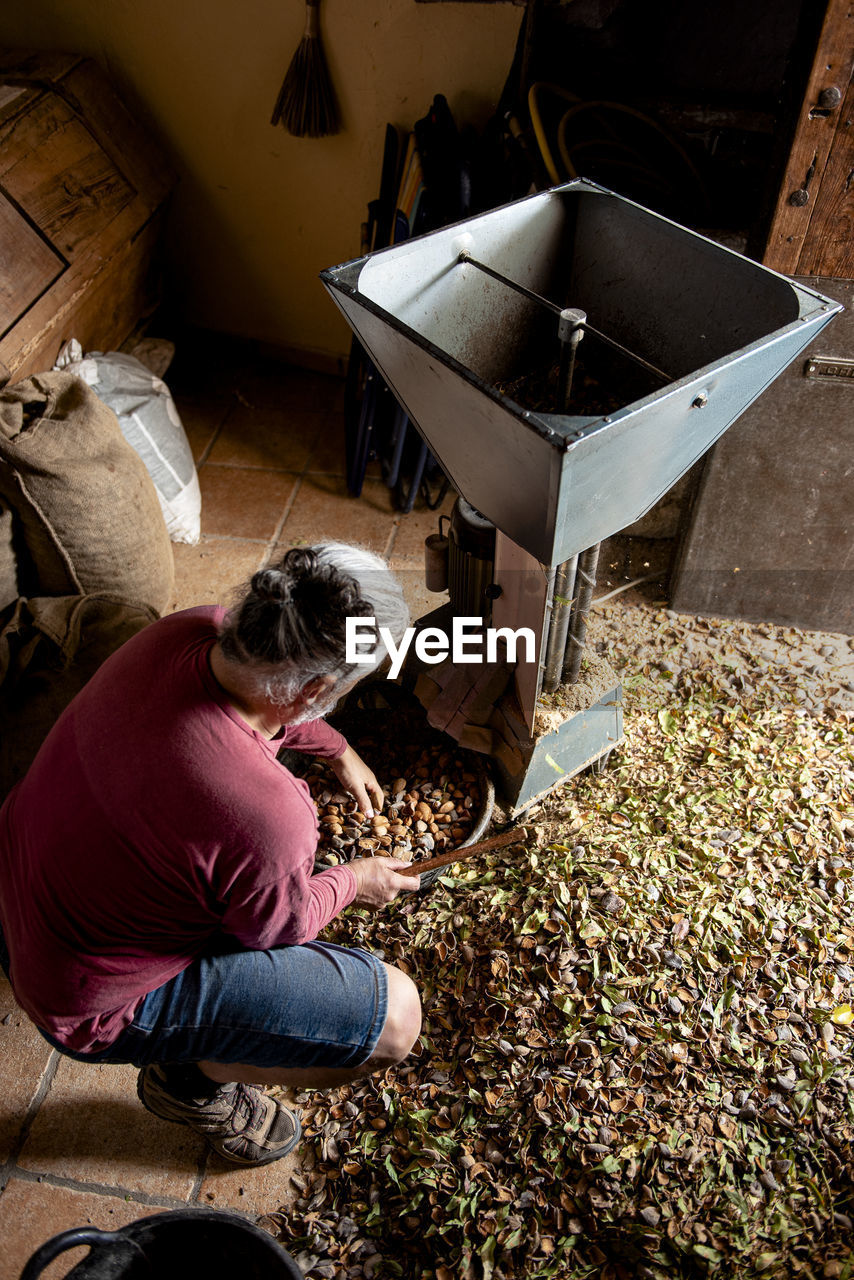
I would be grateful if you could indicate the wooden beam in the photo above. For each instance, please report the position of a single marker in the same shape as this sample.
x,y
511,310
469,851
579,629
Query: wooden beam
x,y
828,248
814,136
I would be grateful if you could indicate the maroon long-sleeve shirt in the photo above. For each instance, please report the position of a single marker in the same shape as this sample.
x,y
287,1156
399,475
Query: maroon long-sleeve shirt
x,y
153,822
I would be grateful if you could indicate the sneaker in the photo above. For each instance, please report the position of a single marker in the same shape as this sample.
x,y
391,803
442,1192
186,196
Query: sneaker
x,y
238,1121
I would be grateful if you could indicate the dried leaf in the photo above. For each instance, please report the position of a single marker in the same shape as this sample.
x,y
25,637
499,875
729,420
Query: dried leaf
x,y
680,1064
680,929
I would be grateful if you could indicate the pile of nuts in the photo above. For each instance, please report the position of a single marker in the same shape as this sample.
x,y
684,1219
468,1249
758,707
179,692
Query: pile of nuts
x,y
431,804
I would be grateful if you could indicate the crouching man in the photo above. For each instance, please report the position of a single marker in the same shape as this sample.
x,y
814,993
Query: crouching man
x,y
157,901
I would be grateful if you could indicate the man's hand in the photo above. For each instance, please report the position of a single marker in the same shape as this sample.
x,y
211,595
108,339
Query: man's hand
x,y
355,776
379,881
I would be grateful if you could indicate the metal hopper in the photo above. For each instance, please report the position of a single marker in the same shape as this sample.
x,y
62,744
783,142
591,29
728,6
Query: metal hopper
x,y
685,333
567,358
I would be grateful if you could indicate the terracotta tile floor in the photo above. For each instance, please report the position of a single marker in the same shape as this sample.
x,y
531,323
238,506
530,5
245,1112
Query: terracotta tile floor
x,y
76,1147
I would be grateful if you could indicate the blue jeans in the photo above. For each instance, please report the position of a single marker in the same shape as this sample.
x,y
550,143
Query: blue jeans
x,y
316,1005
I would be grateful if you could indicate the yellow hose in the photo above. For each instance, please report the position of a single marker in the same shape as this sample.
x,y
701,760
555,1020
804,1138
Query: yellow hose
x,y
537,122
621,108
579,106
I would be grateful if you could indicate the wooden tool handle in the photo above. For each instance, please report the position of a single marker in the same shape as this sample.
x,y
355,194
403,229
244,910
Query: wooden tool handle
x,y
514,836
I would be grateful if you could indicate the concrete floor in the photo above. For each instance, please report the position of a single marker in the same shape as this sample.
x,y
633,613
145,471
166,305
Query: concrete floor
x,y
76,1146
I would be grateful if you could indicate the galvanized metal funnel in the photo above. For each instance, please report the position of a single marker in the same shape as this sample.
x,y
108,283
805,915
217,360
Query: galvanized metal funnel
x,y
448,338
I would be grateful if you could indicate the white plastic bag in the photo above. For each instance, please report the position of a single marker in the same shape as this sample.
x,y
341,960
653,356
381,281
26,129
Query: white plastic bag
x,y
150,423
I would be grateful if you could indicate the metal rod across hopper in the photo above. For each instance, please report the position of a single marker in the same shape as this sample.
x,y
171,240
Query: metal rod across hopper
x,y
561,312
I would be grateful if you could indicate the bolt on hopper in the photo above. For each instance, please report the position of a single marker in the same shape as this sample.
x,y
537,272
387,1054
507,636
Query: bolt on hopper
x,y
560,442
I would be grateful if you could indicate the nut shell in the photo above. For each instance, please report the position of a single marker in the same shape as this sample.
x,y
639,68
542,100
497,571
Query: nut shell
x,y
430,804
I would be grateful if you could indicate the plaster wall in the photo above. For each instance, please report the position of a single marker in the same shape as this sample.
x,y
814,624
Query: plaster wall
x,y
257,213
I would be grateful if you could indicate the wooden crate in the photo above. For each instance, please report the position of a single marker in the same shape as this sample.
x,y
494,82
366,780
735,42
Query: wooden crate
x,y
82,195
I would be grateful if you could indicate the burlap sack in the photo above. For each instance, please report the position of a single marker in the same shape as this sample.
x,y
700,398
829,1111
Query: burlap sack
x,y
88,512
8,566
49,648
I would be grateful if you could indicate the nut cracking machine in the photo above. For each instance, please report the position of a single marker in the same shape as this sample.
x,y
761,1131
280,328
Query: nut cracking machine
x,y
567,358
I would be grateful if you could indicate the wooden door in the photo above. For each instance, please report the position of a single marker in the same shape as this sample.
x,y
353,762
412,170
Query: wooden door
x,y
812,230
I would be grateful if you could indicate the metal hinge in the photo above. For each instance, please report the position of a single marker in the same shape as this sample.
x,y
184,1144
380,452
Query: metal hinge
x,y
830,368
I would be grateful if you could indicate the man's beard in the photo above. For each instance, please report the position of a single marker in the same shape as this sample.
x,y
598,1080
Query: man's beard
x,y
316,711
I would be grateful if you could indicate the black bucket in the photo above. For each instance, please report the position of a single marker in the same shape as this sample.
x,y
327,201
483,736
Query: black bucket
x,y
172,1246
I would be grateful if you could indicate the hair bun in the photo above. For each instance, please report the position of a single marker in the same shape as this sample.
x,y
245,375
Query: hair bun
x,y
271,585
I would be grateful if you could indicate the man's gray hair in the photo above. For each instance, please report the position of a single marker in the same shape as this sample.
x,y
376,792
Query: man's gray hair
x,y
289,624
377,584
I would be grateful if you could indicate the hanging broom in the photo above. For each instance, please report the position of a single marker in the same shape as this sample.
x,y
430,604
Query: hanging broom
x,y
306,103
